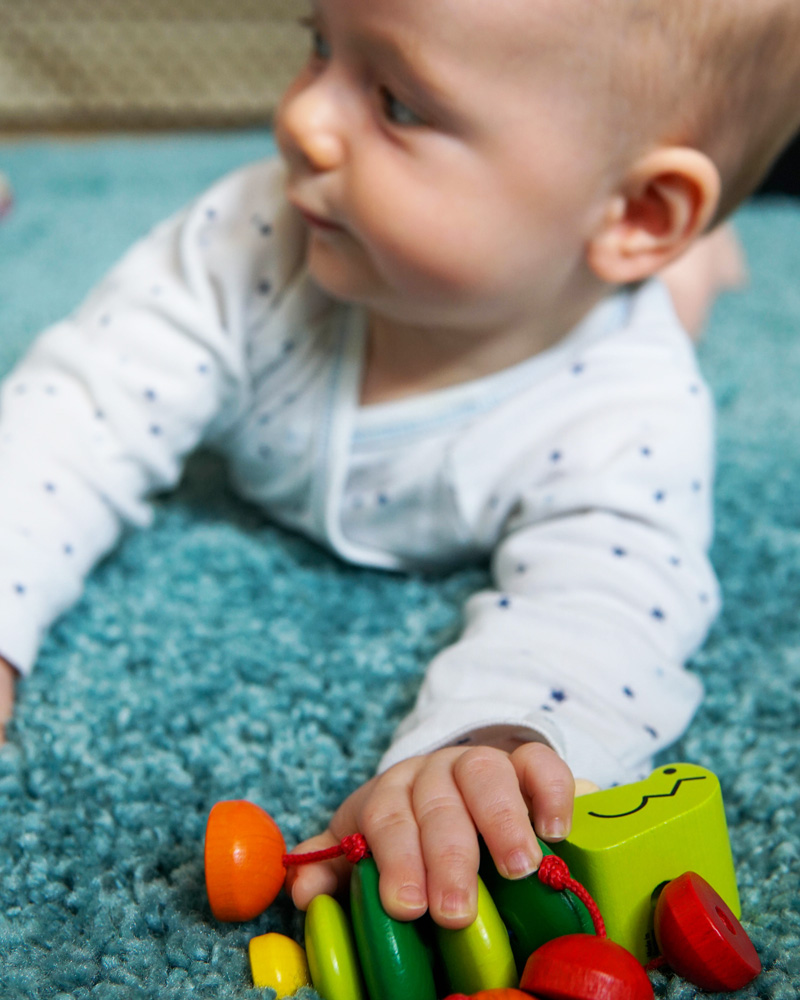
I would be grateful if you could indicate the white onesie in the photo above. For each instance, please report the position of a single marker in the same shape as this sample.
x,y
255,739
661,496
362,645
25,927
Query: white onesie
x,y
584,473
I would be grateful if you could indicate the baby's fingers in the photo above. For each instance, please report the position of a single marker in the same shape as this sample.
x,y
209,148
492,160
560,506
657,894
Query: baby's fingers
x,y
449,843
386,818
490,787
548,788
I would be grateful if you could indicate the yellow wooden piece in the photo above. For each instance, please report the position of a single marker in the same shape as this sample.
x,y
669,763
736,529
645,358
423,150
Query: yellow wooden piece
x,y
280,963
627,841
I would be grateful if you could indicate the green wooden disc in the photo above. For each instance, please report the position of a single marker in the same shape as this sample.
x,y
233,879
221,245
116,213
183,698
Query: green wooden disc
x,y
532,911
478,957
331,951
394,959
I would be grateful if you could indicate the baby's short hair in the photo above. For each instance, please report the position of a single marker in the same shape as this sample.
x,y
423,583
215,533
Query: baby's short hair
x,y
722,76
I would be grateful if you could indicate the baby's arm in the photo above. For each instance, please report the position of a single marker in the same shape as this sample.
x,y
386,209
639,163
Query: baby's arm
x,y
105,406
603,589
8,676
421,819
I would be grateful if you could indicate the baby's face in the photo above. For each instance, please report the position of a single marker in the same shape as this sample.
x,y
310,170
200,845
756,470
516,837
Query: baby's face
x,y
448,155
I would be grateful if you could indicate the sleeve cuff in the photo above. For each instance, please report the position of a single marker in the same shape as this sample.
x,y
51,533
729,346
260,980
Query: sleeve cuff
x,y
471,722
498,724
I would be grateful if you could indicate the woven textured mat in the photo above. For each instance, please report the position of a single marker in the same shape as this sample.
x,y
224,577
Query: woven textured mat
x,y
145,63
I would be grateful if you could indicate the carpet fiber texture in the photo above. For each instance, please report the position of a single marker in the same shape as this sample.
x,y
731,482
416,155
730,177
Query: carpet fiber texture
x,y
214,656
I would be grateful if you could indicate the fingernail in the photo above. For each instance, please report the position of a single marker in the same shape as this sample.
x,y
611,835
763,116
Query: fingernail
x,y
411,896
456,904
519,864
556,829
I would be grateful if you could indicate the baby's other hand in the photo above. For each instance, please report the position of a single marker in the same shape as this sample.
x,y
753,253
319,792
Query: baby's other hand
x,y
713,264
421,819
8,676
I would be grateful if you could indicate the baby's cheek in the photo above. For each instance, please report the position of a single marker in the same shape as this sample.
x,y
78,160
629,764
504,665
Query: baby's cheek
x,y
438,263
423,234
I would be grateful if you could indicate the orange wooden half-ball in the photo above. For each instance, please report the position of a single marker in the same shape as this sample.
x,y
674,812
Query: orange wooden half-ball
x,y
243,860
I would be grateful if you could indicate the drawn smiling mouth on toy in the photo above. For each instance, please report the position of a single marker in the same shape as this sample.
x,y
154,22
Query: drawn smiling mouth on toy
x,y
646,798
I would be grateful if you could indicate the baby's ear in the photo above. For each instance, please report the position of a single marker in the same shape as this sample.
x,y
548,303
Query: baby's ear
x,y
666,200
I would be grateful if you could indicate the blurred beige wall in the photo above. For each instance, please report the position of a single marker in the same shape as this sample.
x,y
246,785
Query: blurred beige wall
x,y
145,63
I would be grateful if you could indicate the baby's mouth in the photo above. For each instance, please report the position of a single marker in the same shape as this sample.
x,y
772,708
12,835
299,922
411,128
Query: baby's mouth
x,y
317,222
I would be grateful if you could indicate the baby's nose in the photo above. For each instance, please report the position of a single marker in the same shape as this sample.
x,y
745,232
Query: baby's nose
x,y
309,127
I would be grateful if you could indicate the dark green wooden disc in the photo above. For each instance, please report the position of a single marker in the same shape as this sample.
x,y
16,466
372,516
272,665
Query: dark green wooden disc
x,y
394,959
532,911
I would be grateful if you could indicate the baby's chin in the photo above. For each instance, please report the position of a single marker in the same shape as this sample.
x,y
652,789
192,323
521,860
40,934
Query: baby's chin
x,y
334,266
388,284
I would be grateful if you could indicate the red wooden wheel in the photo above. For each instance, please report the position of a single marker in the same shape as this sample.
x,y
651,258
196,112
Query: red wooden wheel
x,y
243,860
700,937
585,967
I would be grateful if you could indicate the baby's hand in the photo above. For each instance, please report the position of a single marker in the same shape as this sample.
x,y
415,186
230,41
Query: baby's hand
x,y
8,676
421,819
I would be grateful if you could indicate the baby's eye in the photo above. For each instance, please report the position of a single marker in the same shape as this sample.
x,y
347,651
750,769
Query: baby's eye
x,y
320,49
396,112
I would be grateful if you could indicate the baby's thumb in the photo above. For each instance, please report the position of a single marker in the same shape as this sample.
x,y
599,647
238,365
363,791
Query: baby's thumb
x,y
304,882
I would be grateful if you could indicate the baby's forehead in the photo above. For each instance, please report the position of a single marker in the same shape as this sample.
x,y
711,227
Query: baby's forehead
x,y
513,26
579,36
559,45
516,22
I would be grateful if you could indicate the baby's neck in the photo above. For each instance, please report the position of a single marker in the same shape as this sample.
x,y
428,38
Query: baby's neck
x,y
405,360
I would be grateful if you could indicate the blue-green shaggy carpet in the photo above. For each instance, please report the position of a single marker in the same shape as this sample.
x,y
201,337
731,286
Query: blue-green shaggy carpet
x,y
215,657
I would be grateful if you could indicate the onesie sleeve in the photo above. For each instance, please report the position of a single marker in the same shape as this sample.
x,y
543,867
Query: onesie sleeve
x,y
102,411
603,587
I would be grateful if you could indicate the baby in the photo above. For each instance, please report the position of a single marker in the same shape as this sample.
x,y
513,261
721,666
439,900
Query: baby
x,y
427,336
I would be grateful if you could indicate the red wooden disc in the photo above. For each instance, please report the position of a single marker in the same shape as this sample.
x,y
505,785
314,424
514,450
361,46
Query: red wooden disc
x,y
498,993
700,937
585,967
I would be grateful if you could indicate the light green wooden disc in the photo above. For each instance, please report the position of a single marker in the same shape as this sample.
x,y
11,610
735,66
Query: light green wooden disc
x,y
331,951
478,957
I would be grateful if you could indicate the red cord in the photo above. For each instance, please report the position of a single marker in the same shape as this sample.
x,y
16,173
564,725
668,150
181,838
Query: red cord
x,y
354,848
553,871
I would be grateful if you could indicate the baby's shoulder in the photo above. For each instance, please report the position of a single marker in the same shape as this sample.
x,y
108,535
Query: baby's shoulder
x,y
246,208
255,185
245,237
649,339
634,389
